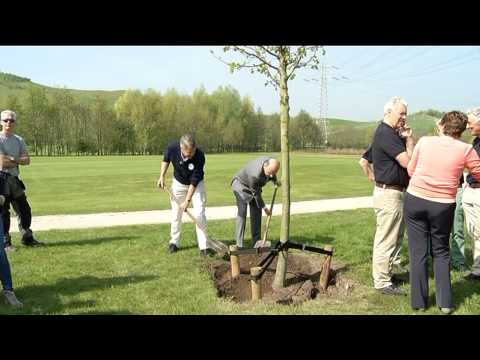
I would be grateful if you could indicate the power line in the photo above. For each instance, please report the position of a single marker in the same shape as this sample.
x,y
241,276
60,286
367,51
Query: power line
x,y
391,67
409,77
355,56
436,68
374,60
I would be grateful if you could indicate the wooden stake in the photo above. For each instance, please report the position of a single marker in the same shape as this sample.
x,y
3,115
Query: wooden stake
x,y
325,274
256,287
234,264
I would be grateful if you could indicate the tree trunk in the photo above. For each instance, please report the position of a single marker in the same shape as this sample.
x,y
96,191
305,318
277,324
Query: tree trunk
x,y
281,271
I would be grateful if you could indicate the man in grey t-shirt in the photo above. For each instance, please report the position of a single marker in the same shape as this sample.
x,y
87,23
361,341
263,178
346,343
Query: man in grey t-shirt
x,y
13,152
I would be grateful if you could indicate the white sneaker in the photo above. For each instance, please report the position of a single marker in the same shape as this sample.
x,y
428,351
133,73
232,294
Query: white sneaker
x,y
11,299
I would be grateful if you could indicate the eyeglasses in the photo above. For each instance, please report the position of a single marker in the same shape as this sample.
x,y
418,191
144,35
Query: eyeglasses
x,y
9,120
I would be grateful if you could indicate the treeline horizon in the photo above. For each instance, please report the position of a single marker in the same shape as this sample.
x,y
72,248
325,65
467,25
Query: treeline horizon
x,y
143,123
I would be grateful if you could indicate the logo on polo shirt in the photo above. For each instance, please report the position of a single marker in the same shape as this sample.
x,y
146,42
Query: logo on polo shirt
x,y
191,166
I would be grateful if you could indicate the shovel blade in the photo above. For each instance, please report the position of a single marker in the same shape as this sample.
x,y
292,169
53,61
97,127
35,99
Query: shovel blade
x,y
219,247
261,243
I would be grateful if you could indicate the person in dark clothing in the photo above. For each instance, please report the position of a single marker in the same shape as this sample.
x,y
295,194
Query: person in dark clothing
x,y
13,152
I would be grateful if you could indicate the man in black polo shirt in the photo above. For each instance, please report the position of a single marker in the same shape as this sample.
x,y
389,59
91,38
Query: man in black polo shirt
x,y
471,198
366,163
187,186
392,147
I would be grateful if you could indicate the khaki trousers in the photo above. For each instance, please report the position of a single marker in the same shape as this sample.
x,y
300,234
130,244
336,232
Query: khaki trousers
x,y
388,206
471,207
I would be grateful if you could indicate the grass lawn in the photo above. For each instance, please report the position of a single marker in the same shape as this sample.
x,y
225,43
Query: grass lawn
x,y
77,185
126,270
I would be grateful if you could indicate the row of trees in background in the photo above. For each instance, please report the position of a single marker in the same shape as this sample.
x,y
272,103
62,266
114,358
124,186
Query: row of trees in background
x,y
144,122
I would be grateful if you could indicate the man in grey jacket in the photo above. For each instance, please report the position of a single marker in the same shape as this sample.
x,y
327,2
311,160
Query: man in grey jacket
x,y
247,187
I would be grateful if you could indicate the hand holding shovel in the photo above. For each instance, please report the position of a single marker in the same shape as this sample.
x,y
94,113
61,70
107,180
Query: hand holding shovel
x,y
264,242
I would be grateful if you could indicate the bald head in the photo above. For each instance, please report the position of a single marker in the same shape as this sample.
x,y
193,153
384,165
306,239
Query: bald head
x,y
271,167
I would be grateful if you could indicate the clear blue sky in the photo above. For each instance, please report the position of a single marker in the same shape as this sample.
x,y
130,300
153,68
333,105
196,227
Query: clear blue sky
x,y
440,77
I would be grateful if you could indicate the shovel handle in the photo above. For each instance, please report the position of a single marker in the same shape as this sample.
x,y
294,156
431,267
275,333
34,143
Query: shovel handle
x,y
269,216
217,245
186,210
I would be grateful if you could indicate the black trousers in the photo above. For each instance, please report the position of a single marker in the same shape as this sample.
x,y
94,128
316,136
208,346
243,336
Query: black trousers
x,y
429,224
255,220
24,214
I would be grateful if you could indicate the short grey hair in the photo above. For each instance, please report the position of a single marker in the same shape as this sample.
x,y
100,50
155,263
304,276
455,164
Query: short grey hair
x,y
8,114
187,141
394,101
475,112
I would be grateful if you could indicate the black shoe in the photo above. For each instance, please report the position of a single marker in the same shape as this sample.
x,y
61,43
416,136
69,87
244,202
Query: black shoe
x,y
207,252
400,278
32,242
172,248
392,290
472,276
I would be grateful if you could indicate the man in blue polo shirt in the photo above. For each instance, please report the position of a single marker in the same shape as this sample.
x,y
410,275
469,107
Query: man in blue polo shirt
x,y
187,187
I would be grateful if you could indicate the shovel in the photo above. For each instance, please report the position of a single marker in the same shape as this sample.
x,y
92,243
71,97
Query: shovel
x,y
218,246
264,242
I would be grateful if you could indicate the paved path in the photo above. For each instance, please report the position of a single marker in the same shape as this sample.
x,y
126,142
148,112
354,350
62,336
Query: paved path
x,y
50,222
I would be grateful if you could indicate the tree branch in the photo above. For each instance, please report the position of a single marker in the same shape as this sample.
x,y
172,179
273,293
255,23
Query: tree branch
x,y
248,53
299,60
264,48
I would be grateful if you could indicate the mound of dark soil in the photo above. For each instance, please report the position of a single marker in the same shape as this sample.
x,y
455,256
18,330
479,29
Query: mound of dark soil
x,y
302,282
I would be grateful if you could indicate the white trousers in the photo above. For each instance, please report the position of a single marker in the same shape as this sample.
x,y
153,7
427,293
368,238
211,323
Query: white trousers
x,y
199,200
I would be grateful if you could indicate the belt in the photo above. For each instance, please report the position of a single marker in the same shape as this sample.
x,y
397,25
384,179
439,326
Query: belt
x,y
393,187
474,185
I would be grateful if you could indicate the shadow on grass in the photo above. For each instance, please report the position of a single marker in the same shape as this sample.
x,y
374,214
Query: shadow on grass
x,y
95,241
463,290
189,247
48,298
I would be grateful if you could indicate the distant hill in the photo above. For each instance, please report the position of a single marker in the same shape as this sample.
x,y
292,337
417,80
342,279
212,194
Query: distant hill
x,y
360,133
11,84
420,122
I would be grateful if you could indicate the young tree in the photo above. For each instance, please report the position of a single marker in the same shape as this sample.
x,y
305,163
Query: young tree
x,y
278,64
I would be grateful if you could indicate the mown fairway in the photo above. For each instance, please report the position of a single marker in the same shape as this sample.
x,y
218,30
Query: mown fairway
x,y
127,270
76,185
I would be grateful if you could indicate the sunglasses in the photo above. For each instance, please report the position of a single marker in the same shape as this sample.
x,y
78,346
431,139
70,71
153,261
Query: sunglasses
x,y
9,120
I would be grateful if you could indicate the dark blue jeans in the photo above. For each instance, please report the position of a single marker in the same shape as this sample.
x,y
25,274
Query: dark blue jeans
x,y
5,273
